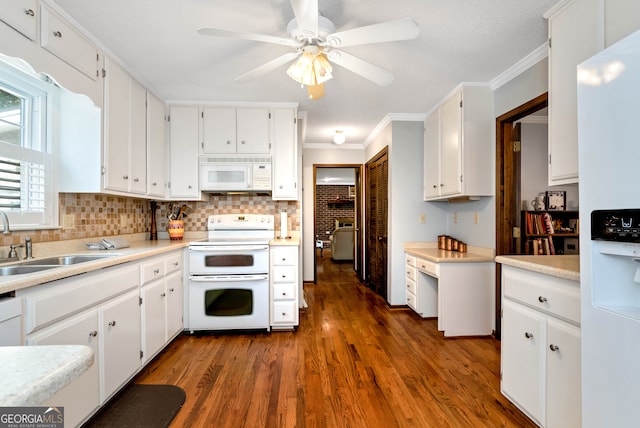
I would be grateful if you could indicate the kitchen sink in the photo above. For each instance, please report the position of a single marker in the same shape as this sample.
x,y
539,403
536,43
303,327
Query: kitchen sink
x,y
66,260
21,269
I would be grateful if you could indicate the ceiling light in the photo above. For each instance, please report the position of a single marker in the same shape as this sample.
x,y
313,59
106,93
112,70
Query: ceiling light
x,y
339,137
311,69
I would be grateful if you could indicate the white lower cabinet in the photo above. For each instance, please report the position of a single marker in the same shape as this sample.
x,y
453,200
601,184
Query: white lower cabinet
x,y
283,278
126,314
119,335
540,356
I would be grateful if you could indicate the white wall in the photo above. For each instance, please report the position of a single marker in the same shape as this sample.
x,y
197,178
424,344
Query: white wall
x,y
311,157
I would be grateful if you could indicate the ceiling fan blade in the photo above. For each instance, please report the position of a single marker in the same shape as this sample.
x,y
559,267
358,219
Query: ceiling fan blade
x,y
267,67
401,29
363,68
306,13
243,35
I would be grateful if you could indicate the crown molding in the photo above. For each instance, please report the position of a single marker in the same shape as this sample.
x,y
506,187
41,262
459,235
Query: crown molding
x,y
393,117
520,67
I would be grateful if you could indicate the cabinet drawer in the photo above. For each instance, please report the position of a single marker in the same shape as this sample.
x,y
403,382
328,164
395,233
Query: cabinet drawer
x,y
427,267
284,274
556,296
151,270
20,15
411,286
284,291
410,260
283,256
411,272
173,263
284,312
65,297
412,301
69,45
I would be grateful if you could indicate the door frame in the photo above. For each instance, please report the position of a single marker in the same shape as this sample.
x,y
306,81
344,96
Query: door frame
x,y
358,218
508,186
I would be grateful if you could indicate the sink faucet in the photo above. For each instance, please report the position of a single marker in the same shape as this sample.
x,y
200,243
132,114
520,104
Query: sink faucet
x,y
5,223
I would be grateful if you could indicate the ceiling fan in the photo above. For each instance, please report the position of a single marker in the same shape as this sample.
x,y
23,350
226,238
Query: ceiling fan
x,y
316,45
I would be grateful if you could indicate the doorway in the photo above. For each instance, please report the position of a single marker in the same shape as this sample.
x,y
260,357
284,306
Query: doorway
x,y
377,194
338,217
508,191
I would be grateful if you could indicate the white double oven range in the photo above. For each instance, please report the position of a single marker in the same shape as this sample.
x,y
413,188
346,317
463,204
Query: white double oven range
x,y
228,286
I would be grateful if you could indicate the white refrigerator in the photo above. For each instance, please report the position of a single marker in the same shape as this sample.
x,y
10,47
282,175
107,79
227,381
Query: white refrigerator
x,y
609,168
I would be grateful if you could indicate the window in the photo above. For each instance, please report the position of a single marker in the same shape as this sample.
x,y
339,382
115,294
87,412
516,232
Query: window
x,y
26,163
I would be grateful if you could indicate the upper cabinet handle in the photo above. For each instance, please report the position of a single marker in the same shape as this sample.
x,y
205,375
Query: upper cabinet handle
x,y
57,34
29,12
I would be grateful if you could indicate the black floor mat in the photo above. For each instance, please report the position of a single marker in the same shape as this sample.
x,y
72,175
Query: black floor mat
x,y
140,405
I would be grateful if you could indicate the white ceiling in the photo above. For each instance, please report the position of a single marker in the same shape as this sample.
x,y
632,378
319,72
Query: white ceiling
x,y
460,40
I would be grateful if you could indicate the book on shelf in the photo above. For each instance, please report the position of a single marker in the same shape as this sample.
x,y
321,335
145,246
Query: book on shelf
x,y
540,246
539,224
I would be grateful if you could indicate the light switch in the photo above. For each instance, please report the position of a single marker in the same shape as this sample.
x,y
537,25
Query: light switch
x,y
422,218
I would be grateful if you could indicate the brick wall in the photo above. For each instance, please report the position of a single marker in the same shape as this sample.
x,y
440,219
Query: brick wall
x,y
326,214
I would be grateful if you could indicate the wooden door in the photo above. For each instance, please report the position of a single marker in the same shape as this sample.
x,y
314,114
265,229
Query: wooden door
x,y
376,221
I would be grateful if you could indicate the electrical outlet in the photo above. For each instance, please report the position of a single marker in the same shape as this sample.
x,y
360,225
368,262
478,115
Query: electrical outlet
x,y
69,222
455,217
123,220
327,232
476,217
422,218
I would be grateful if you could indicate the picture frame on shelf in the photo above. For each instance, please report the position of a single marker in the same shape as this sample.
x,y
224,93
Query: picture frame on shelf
x,y
555,200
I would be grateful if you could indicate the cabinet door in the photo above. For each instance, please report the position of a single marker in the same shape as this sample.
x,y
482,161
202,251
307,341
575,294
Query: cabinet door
x,y
218,130
20,15
155,147
63,41
522,358
137,138
285,155
116,127
82,396
450,145
174,304
183,152
574,38
432,155
564,402
252,130
119,322
153,311
622,17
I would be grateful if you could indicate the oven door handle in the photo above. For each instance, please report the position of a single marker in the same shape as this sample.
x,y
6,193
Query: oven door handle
x,y
226,248
227,278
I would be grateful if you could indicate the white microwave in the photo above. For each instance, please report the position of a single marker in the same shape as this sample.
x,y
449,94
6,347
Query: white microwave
x,y
235,173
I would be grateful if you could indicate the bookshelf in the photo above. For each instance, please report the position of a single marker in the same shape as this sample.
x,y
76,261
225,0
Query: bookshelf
x,y
550,232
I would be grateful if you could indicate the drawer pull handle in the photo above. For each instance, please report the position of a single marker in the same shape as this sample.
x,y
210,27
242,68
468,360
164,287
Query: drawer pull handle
x,y
112,323
93,333
528,335
57,34
29,12
172,290
228,142
284,314
136,180
542,299
553,347
163,294
156,271
284,293
125,177
176,264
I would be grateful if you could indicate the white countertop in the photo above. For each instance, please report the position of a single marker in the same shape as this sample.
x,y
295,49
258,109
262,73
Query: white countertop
x,y
561,266
291,240
31,374
430,251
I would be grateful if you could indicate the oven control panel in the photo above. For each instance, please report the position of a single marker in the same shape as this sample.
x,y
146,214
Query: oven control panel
x,y
616,225
239,221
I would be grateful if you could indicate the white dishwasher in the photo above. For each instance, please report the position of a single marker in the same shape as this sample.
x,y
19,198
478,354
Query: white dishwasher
x,y
10,314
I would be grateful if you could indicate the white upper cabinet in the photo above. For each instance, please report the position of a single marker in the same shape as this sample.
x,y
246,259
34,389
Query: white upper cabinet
x,y
235,130
68,44
183,153
458,150
156,146
285,154
125,135
21,15
575,34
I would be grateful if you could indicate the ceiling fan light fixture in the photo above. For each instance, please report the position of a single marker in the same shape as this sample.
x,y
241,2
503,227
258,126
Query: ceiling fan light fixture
x,y
315,92
322,68
339,137
302,69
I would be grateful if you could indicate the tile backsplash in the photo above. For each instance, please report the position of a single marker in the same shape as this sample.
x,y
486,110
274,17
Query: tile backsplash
x,y
97,215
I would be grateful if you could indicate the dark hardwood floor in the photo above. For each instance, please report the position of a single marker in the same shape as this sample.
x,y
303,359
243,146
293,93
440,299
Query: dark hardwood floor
x,y
353,362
